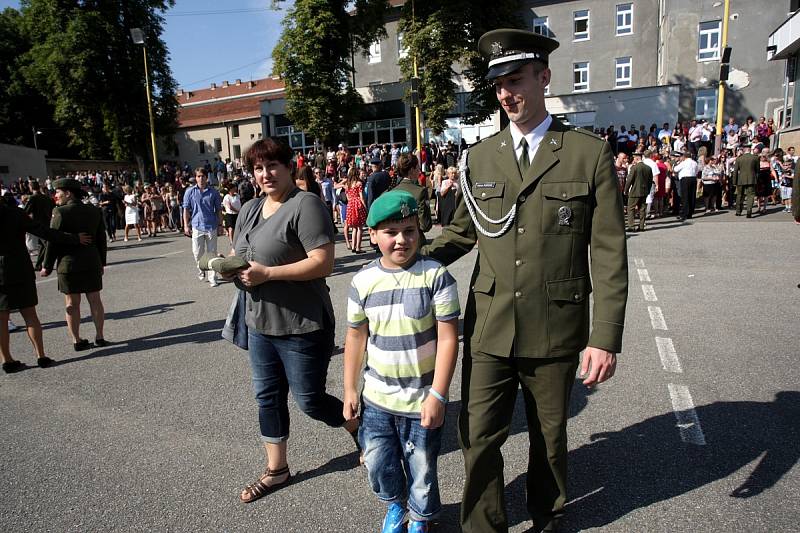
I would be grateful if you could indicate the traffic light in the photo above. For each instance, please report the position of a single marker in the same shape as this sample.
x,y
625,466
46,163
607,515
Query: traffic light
x,y
415,92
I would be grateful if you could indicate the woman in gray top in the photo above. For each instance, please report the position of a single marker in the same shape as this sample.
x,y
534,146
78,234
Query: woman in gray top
x,y
287,237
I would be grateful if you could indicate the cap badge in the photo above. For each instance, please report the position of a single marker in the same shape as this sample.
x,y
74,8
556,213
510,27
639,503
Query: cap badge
x,y
497,49
405,210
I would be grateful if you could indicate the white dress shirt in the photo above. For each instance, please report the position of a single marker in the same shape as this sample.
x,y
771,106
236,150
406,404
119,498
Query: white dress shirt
x,y
534,138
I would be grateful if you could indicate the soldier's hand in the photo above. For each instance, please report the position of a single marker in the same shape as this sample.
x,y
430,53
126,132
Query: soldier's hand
x,y
85,238
597,365
432,413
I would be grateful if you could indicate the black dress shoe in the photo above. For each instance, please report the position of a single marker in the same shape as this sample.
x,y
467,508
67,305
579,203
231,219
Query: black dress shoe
x,y
81,345
12,367
45,362
101,343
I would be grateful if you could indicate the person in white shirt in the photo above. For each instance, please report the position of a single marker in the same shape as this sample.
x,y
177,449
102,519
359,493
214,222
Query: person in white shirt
x,y
647,159
687,171
664,133
695,131
231,204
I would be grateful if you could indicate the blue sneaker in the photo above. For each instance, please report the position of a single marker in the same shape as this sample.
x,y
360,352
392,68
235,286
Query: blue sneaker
x,y
395,519
418,527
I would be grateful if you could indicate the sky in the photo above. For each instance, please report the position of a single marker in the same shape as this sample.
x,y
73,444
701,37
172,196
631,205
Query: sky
x,y
211,41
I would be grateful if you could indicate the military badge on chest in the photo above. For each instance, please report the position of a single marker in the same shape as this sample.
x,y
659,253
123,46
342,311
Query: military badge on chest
x,y
564,216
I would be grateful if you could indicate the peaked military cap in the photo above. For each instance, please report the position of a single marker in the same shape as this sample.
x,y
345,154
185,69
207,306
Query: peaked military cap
x,y
391,205
508,49
221,263
68,184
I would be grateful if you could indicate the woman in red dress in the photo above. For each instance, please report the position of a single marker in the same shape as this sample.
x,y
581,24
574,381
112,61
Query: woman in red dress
x,y
356,209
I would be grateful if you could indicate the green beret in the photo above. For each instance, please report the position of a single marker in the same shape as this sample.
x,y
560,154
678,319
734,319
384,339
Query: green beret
x,y
392,205
68,184
508,49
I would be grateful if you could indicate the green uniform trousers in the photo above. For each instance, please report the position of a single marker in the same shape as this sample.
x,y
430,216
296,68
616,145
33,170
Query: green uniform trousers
x,y
489,391
636,203
741,191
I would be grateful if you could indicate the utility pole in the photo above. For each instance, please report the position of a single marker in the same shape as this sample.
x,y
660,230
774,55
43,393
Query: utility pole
x,y
724,66
415,86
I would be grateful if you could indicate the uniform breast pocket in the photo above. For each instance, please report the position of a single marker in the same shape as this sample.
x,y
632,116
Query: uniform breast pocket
x,y
416,303
489,198
564,207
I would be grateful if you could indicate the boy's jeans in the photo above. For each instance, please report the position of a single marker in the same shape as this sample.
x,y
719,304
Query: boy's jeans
x,y
401,456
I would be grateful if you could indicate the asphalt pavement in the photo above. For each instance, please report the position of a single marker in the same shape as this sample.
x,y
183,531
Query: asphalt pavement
x,y
698,431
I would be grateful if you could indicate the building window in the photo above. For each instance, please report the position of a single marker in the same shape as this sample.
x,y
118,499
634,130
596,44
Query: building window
x,y
402,51
581,72
708,41
624,19
375,52
237,151
540,26
581,25
235,130
217,145
201,145
623,72
705,104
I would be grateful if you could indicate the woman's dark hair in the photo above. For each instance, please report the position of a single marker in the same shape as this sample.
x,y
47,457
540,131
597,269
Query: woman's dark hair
x,y
406,163
268,149
306,174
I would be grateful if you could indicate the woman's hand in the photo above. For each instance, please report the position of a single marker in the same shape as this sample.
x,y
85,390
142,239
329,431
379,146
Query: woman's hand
x,y
85,238
255,275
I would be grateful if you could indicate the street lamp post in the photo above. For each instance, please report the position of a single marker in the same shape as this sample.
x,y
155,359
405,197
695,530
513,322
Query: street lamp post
x,y
138,38
36,133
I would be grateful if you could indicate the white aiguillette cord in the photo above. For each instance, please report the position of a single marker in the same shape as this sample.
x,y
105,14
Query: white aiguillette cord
x,y
474,210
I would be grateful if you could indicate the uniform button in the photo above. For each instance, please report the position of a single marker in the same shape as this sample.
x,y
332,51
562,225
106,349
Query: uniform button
x,y
483,195
563,195
517,294
522,198
521,231
576,296
518,262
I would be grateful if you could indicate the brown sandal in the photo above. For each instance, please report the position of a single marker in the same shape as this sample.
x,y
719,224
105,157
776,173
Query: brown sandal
x,y
260,488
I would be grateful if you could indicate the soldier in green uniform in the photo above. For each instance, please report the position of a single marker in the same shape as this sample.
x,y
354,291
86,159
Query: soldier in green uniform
x,y
40,209
745,173
537,195
637,187
80,270
408,170
18,280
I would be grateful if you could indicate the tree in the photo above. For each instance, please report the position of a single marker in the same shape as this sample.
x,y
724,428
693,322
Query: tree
x,y
312,58
85,64
443,34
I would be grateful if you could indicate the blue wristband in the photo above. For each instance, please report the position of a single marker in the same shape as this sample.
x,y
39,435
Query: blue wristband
x,y
437,396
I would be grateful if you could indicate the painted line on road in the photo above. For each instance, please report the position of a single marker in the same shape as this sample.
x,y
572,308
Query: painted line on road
x,y
172,253
657,317
649,293
688,421
644,275
579,498
668,355
55,277
638,262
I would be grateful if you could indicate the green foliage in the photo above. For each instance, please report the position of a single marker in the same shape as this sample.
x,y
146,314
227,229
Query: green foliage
x,y
313,59
79,57
445,33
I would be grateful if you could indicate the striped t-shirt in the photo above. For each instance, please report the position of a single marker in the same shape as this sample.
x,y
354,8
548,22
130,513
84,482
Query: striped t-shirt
x,y
402,307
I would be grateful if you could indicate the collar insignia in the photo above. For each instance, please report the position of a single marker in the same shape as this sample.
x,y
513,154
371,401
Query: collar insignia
x,y
553,141
502,144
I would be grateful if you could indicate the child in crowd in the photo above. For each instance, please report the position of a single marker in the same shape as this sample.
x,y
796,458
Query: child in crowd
x,y
403,310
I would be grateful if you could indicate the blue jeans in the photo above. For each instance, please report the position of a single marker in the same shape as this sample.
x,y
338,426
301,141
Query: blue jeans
x,y
401,456
292,362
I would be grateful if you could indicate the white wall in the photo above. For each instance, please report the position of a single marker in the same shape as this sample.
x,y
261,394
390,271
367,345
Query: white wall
x,y
21,162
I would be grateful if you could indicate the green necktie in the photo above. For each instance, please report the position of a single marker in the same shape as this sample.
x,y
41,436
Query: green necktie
x,y
524,158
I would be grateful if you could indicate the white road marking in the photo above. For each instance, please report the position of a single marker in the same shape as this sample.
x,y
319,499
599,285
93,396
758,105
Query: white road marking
x,y
54,276
172,253
649,293
643,275
656,317
638,262
668,355
688,421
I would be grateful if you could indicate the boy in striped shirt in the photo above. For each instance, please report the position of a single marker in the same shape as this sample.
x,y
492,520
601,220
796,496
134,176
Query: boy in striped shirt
x,y
403,310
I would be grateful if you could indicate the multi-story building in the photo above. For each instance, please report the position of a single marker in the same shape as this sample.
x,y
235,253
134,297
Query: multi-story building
x,y
783,48
221,121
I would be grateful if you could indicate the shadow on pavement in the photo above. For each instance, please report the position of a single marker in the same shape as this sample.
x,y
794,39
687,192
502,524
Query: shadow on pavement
x,y
202,333
337,464
646,463
149,310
